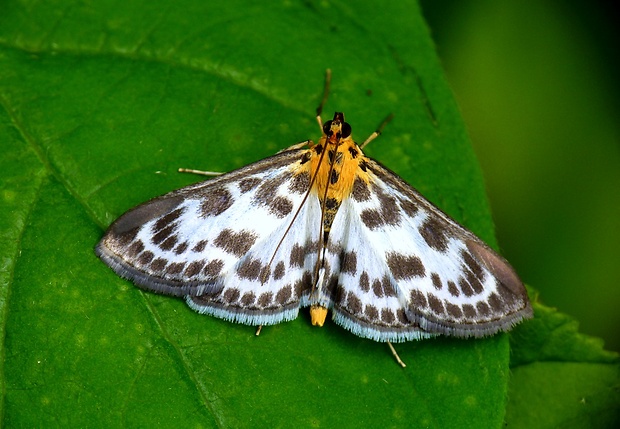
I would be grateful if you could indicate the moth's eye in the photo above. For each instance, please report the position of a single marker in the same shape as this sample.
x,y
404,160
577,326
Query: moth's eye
x,y
327,127
346,130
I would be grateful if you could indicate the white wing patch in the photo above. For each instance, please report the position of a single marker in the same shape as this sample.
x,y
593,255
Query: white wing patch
x,y
335,231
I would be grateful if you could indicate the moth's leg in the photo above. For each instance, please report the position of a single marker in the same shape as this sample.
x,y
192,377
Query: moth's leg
x,y
378,131
298,145
400,362
202,173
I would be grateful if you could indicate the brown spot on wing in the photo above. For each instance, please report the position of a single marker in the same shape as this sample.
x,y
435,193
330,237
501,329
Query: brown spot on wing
x,y
418,300
377,288
249,269
248,299
265,299
339,295
387,316
175,268
473,265
434,233
237,243
284,295
279,271
280,206
200,246
300,183
354,304
360,191
465,287
436,281
194,268
405,267
135,248
298,255
332,286
454,310
216,202
163,234
410,208
348,262
169,243
495,302
469,311
371,312
303,286
231,295
388,288
145,258
435,304
371,218
213,268
158,265
483,308
454,291
246,185
389,208
364,282
168,219
181,248
474,282
265,272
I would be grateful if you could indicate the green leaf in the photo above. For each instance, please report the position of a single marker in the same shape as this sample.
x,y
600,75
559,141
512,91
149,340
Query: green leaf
x,y
102,102
561,378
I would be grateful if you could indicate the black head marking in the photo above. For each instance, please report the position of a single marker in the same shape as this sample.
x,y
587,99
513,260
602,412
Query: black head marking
x,y
337,127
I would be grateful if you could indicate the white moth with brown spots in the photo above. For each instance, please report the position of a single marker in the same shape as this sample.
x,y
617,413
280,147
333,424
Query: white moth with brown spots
x,y
324,226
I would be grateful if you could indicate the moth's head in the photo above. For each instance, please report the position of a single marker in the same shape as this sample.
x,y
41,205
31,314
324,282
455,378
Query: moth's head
x,y
337,128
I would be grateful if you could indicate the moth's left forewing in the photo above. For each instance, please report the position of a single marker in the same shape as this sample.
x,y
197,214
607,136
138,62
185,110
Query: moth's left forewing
x,y
446,280
211,238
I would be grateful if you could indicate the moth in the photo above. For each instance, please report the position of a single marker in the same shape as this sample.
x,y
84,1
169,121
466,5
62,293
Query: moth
x,y
318,225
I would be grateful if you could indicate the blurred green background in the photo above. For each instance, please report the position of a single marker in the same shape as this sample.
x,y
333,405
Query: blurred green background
x,y
537,83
